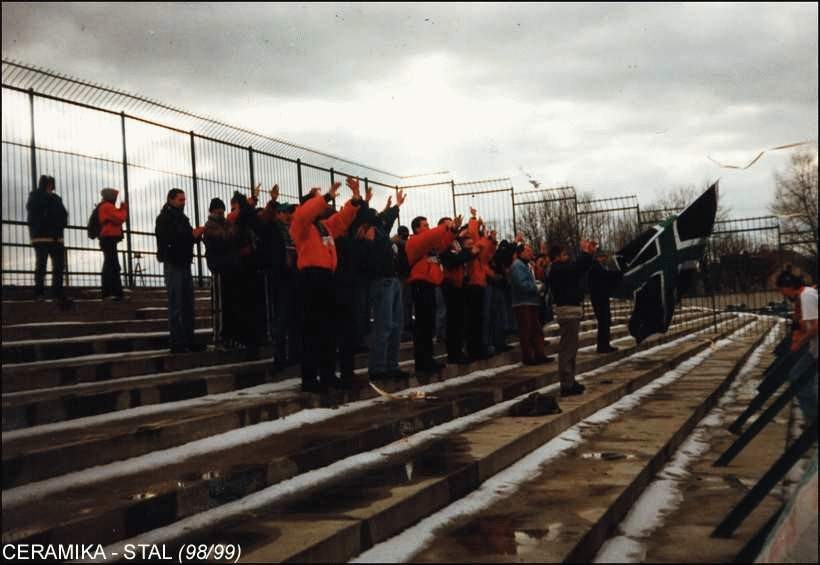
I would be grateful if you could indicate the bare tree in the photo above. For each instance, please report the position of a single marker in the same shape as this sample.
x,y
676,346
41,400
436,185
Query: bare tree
x,y
795,203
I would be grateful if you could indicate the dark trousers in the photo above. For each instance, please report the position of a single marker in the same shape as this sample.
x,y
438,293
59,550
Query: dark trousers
x,y
180,285
386,335
42,252
424,301
454,298
227,295
604,316
319,328
347,318
530,332
111,282
407,306
287,334
474,309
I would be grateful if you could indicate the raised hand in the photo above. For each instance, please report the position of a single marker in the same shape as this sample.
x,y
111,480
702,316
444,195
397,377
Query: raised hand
x,y
457,222
400,198
274,192
353,185
389,203
473,212
519,237
314,191
334,189
368,193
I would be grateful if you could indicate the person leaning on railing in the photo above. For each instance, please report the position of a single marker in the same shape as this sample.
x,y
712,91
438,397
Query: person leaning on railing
x,y
47,219
111,221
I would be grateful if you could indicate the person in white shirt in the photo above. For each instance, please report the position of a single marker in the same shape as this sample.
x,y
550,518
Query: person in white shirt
x,y
803,338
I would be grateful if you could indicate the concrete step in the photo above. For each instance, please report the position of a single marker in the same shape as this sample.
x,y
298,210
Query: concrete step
x,y
365,498
28,311
27,292
61,330
93,368
578,497
54,404
33,350
254,465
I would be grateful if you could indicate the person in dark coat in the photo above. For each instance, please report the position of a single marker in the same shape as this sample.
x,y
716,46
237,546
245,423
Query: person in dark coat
x,y
47,219
222,255
175,250
602,283
565,283
382,269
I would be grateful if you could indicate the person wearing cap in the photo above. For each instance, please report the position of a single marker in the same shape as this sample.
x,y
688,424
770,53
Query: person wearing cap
x,y
222,255
285,331
602,284
565,283
314,228
111,221
426,274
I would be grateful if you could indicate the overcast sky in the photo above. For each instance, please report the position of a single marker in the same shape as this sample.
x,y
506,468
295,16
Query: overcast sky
x,y
616,99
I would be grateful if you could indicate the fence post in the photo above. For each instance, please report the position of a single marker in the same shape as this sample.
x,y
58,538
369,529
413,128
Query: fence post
x,y
332,180
200,281
299,176
453,194
128,252
515,226
33,145
250,160
398,216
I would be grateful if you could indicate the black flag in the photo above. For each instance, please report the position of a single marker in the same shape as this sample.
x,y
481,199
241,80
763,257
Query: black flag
x,y
659,264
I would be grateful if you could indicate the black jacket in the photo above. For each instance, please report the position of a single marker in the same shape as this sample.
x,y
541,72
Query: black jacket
x,y
46,216
602,283
175,242
222,246
380,260
565,280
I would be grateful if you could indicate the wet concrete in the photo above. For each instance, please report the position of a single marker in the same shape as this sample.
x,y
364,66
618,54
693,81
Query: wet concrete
x,y
580,499
388,501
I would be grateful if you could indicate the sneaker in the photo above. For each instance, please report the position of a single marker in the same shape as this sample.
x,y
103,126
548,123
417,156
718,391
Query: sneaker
x,y
198,347
573,389
544,360
458,360
608,349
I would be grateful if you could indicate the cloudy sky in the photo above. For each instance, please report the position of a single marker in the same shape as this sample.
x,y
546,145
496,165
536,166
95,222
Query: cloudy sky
x,y
615,99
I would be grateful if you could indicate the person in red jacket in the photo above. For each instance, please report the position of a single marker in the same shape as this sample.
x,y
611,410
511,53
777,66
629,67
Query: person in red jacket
x,y
313,229
426,274
475,288
111,221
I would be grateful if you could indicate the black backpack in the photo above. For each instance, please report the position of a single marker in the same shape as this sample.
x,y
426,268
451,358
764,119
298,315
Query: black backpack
x,y
94,226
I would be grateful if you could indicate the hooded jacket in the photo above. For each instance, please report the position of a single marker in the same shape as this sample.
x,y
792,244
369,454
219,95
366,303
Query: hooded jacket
x,y
314,238
46,216
422,254
111,217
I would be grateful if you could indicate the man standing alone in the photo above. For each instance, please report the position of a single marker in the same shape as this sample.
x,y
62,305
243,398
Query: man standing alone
x,y
111,221
602,283
175,243
565,282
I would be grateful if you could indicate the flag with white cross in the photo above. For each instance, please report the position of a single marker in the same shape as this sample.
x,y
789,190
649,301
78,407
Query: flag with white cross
x,y
659,264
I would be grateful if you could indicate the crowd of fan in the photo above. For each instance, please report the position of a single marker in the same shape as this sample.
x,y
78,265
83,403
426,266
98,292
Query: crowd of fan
x,y
319,283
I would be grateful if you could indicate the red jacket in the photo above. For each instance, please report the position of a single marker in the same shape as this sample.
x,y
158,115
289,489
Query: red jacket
x,y
423,265
112,218
313,250
477,268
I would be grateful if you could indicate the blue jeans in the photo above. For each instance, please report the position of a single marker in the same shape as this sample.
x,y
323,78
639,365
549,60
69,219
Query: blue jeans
x,y
385,294
806,394
180,285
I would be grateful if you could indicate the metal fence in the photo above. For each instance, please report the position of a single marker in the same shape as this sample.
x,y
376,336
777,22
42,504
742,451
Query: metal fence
x,y
87,138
